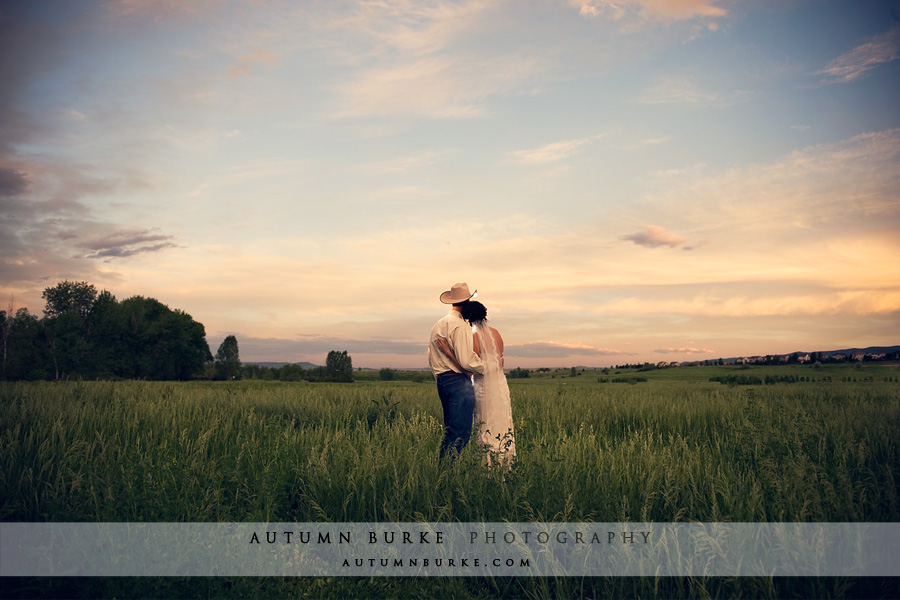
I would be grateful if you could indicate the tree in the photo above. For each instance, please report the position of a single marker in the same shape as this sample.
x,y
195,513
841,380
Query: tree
x,y
65,324
66,336
27,356
6,317
160,343
228,363
291,372
104,326
386,374
69,297
339,366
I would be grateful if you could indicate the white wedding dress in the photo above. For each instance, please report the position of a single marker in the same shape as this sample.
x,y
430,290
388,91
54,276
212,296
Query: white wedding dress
x,y
493,410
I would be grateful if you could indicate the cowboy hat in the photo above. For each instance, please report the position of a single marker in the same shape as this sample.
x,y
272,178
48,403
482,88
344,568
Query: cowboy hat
x,y
459,292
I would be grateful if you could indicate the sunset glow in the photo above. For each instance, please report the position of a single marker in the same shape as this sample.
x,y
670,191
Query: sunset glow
x,y
647,180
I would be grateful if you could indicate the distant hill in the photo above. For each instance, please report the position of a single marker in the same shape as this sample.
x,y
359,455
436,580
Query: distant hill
x,y
277,365
829,353
869,350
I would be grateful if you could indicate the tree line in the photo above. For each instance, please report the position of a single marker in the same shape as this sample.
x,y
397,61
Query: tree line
x,y
86,334
338,367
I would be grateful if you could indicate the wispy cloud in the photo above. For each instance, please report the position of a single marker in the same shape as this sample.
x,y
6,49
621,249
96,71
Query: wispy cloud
x,y
862,59
651,142
440,87
558,350
649,10
553,152
403,164
680,90
684,351
126,243
766,303
161,9
419,59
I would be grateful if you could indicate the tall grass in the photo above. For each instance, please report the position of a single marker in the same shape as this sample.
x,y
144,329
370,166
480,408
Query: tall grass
x,y
270,451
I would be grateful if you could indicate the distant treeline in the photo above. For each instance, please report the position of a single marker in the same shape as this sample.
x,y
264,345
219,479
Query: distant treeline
x,y
338,367
773,379
621,380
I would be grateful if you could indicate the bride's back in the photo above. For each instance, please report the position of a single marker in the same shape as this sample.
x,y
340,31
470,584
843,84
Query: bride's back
x,y
490,346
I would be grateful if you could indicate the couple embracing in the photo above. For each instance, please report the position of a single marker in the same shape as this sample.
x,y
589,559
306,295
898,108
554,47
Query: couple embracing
x,y
466,357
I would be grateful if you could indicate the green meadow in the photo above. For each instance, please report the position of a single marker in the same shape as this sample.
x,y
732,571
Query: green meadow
x,y
665,445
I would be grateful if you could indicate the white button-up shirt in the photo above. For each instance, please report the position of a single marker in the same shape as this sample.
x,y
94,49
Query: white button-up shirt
x,y
458,333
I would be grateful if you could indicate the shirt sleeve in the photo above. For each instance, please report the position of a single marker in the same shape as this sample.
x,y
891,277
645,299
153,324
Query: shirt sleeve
x,y
462,344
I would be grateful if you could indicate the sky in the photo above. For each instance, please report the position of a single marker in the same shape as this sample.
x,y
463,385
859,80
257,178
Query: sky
x,y
622,181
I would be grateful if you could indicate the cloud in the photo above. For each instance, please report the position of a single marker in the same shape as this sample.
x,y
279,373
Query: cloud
x,y
652,142
774,298
684,351
161,10
553,152
862,59
414,28
438,87
697,244
834,200
51,226
126,243
423,59
47,198
403,164
12,182
557,350
649,10
408,195
684,90
246,63
654,236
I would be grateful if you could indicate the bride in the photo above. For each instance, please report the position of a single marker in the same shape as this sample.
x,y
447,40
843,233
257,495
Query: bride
x,y
493,411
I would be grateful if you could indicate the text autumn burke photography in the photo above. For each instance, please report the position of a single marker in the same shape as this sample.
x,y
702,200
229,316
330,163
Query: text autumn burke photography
x,y
437,537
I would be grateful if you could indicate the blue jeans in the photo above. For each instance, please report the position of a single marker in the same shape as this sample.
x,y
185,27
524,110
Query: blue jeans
x,y
458,401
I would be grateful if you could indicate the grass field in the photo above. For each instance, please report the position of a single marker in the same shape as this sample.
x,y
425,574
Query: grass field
x,y
676,447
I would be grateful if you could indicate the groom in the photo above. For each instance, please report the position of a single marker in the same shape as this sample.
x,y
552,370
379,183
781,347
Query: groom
x,y
455,387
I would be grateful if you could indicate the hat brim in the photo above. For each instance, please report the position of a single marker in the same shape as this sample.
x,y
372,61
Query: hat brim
x,y
447,297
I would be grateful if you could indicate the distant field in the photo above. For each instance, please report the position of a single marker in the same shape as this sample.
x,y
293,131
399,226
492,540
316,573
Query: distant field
x,y
875,370
674,448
